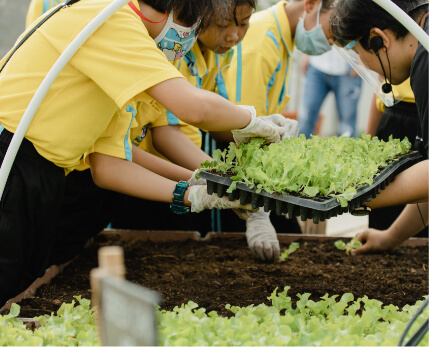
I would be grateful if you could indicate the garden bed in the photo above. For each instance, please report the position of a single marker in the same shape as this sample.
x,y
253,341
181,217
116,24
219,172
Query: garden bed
x,y
221,271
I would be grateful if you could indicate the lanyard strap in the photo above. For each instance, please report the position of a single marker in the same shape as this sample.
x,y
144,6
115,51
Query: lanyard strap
x,y
59,7
142,16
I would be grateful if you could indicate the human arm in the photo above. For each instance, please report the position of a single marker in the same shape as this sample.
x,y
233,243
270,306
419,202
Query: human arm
x,y
173,144
222,136
374,117
408,224
305,62
201,108
410,186
132,179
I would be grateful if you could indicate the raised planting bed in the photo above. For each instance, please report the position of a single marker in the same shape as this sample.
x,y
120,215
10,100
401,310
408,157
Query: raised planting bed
x,y
220,270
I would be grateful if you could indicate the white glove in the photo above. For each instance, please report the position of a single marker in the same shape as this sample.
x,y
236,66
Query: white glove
x,y
193,181
201,200
287,127
261,236
257,128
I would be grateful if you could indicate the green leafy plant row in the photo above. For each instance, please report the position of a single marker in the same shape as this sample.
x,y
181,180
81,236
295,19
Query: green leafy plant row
x,y
331,321
334,166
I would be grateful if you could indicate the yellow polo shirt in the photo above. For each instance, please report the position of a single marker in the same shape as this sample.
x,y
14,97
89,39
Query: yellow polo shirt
x,y
401,91
39,7
199,71
88,106
259,71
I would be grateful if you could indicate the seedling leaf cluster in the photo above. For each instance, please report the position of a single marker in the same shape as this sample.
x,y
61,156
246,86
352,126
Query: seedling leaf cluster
x,y
287,252
350,246
326,167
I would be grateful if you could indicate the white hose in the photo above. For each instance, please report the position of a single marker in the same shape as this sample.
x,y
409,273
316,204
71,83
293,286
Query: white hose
x,y
49,79
406,21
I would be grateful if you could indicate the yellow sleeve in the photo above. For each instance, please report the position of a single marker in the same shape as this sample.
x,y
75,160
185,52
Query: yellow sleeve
x,y
35,10
116,140
124,75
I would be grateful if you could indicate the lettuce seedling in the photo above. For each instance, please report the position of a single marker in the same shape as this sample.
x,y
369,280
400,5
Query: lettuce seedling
x,y
292,248
349,247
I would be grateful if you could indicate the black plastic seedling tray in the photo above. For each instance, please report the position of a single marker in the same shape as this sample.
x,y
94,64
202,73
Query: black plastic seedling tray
x,y
317,208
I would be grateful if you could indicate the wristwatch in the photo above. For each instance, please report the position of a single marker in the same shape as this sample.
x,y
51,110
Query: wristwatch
x,y
178,205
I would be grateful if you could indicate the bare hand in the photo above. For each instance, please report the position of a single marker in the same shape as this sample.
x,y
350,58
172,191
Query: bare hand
x,y
374,240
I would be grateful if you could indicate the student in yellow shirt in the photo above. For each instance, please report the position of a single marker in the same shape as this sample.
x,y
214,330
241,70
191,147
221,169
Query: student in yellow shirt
x,y
88,113
268,44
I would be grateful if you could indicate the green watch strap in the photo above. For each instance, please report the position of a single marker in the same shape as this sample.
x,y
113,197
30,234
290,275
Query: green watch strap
x,y
178,205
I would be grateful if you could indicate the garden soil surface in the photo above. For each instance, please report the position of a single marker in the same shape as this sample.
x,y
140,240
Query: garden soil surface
x,y
222,271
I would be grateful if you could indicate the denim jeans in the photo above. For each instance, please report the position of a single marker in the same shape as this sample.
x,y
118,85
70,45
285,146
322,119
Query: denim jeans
x,y
317,86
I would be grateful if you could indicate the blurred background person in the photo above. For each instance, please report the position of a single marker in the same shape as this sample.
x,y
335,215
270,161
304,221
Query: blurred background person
x,y
325,73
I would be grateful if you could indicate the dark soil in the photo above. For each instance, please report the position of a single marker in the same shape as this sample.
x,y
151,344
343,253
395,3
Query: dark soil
x,y
222,271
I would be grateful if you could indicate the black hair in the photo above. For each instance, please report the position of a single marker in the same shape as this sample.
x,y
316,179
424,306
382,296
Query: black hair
x,y
353,19
326,5
190,11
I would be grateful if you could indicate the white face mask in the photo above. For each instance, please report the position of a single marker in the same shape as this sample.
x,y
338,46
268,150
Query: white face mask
x,y
175,40
314,41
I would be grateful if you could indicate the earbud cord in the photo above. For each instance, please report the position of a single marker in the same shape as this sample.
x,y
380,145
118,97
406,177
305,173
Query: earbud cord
x,y
390,74
421,216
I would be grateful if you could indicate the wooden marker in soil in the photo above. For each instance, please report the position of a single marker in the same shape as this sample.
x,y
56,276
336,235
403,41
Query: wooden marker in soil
x,y
125,311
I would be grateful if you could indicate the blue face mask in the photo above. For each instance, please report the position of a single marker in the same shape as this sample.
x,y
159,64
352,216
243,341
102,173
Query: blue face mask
x,y
314,41
174,40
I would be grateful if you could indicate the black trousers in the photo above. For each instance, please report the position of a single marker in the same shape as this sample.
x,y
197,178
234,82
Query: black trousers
x,y
400,121
28,214
85,211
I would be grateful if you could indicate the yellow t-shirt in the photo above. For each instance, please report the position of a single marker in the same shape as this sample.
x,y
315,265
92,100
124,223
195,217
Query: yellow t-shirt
x,y
198,70
80,111
39,7
259,71
401,91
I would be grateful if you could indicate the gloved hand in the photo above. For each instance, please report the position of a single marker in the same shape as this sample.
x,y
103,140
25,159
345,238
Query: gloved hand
x,y
287,127
201,200
257,128
261,236
193,181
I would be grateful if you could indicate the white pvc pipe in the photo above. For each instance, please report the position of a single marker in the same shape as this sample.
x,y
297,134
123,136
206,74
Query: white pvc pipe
x,y
49,79
405,20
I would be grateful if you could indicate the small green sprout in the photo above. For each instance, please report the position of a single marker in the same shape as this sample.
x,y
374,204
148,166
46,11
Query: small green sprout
x,y
292,248
349,247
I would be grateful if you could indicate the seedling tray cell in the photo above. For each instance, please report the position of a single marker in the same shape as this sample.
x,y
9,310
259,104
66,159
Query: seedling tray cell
x,y
318,208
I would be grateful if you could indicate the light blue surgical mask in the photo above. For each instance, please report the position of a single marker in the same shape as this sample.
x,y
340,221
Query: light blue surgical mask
x,y
314,41
175,40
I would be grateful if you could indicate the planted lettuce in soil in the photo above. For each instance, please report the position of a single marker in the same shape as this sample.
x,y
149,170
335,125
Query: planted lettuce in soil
x,y
326,167
215,293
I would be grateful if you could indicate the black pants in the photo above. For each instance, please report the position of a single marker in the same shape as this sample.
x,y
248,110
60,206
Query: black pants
x,y
400,121
28,214
85,211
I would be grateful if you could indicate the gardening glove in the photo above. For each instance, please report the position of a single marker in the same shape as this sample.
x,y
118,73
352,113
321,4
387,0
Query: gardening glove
x,y
201,200
261,236
257,128
193,181
287,127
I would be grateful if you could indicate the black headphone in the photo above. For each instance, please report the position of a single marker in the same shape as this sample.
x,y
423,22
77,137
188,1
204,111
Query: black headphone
x,y
376,43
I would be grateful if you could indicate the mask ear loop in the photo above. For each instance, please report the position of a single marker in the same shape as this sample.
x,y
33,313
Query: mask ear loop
x,y
318,14
142,16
